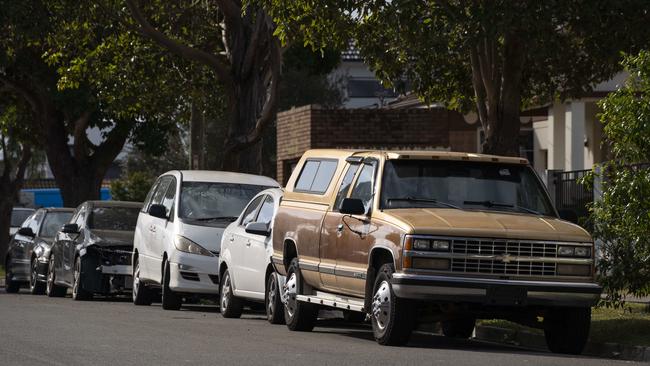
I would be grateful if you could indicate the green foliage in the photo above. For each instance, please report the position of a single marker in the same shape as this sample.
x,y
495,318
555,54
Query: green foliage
x,y
622,216
133,187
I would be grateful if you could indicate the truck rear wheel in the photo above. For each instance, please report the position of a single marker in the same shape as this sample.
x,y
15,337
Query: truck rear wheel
x,y
567,329
299,316
392,318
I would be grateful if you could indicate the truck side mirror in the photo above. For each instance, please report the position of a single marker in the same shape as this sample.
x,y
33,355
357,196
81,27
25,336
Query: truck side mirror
x,y
352,206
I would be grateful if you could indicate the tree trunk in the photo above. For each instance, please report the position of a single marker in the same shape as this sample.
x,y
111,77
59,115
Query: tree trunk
x,y
6,206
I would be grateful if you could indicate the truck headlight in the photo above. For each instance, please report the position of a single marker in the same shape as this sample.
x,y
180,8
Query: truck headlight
x,y
186,245
434,244
571,251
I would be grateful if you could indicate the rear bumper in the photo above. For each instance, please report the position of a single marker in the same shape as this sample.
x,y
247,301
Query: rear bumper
x,y
495,291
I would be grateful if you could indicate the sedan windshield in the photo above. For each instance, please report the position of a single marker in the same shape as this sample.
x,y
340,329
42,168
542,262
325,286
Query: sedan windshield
x,y
215,203
463,185
53,222
114,218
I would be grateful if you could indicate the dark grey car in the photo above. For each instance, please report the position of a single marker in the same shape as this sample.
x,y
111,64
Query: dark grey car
x,y
26,258
92,253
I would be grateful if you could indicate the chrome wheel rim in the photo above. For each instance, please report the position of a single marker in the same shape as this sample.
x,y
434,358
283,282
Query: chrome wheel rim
x,y
136,280
272,295
289,291
34,273
75,284
50,275
225,292
381,305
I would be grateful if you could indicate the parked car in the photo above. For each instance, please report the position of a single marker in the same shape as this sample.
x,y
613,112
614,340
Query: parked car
x,y
18,216
469,236
26,259
92,253
245,263
178,235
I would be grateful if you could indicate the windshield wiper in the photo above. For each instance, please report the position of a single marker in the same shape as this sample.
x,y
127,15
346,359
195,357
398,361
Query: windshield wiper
x,y
427,200
488,203
229,218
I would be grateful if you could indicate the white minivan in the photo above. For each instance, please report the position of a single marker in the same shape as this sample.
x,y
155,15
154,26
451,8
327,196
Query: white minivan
x,y
245,266
178,235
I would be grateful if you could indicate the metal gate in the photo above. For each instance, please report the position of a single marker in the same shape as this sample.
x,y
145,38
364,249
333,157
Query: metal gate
x,y
573,196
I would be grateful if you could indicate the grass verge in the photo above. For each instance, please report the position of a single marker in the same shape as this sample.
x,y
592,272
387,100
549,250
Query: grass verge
x,y
628,325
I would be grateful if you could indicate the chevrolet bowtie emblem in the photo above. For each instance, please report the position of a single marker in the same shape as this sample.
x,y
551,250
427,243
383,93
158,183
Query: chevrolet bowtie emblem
x,y
505,258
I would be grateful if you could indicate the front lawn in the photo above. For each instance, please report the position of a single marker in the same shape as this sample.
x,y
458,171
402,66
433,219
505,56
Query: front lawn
x,y
629,325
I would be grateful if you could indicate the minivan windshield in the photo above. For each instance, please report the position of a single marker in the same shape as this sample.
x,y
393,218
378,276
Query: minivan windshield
x,y
463,185
114,218
53,221
216,204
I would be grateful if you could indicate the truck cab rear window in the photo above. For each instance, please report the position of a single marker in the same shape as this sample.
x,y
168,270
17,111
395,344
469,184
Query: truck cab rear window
x,y
316,176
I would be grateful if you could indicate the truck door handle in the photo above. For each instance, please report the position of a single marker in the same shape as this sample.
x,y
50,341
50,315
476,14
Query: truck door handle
x,y
339,228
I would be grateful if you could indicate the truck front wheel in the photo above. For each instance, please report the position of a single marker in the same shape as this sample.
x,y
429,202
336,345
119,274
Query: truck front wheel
x,y
567,329
393,318
299,316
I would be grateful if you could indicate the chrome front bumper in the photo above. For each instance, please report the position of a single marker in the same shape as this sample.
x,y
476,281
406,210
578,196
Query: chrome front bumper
x,y
496,292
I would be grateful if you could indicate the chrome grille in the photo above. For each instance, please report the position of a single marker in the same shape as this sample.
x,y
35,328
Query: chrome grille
x,y
499,266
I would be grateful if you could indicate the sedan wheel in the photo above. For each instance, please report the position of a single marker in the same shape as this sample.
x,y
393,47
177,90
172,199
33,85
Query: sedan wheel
x,y
36,287
52,289
274,307
231,306
78,292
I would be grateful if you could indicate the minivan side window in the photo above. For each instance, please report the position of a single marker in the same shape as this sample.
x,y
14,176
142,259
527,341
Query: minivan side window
x,y
147,201
266,211
316,176
161,190
168,199
363,187
344,188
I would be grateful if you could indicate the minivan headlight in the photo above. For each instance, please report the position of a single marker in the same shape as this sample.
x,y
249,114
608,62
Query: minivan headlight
x,y
186,245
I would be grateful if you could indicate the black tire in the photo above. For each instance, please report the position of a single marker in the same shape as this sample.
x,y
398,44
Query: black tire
x,y
567,329
170,299
354,316
36,287
11,286
52,289
229,305
392,318
273,301
458,327
141,293
78,292
299,316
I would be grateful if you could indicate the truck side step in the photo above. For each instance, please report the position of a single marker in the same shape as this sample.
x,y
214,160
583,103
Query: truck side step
x,y
335,301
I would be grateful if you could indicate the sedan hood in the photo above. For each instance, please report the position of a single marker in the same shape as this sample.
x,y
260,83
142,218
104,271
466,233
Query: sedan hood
x,y
490,224
110,238
208,237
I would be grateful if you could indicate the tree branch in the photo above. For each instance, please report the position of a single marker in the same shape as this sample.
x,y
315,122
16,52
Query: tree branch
x,y
22,167
230,9
479,90
187,52
108,150
252,49
23,91
80,136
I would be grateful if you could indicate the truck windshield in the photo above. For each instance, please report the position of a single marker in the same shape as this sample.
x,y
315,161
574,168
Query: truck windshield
x,y
463,185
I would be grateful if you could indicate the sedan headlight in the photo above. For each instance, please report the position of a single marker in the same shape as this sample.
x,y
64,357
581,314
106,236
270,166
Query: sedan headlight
x,y
431,244
571,251
186,245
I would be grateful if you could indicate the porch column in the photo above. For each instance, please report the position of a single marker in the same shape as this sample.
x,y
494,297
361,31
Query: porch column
x,y
574,140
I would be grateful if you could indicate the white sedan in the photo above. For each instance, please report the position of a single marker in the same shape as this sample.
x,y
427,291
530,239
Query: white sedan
x,y
245,265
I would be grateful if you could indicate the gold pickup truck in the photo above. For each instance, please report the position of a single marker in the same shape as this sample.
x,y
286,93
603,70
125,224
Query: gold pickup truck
x,y
457,236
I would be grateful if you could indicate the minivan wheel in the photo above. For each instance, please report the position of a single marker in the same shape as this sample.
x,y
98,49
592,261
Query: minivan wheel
x,y
52,289
567,329
392,318
231,306
458,327
36,287
141,293
299,316
170,299
272,301
11,286
78,292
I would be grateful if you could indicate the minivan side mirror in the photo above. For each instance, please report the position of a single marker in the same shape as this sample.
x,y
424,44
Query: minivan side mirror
x,y
70,229
26,231
352,206
157,210
258,228
568,215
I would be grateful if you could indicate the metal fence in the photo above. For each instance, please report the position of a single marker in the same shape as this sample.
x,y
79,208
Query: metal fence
x,y
571,195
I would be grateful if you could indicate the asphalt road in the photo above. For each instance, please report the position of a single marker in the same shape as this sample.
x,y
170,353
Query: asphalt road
x,y
36,330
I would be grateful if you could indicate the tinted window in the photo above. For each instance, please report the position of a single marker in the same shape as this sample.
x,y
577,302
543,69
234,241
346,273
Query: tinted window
x,y
114,218
363,186
266,211
19,216
344,188
216,204
316,176
251,210
168,200
53,222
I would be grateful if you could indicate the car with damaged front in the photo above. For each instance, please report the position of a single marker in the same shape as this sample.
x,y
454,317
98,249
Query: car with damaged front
x,y
29,248
92,252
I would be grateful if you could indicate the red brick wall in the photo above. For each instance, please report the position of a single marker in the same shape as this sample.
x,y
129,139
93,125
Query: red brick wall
x,y
310,127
